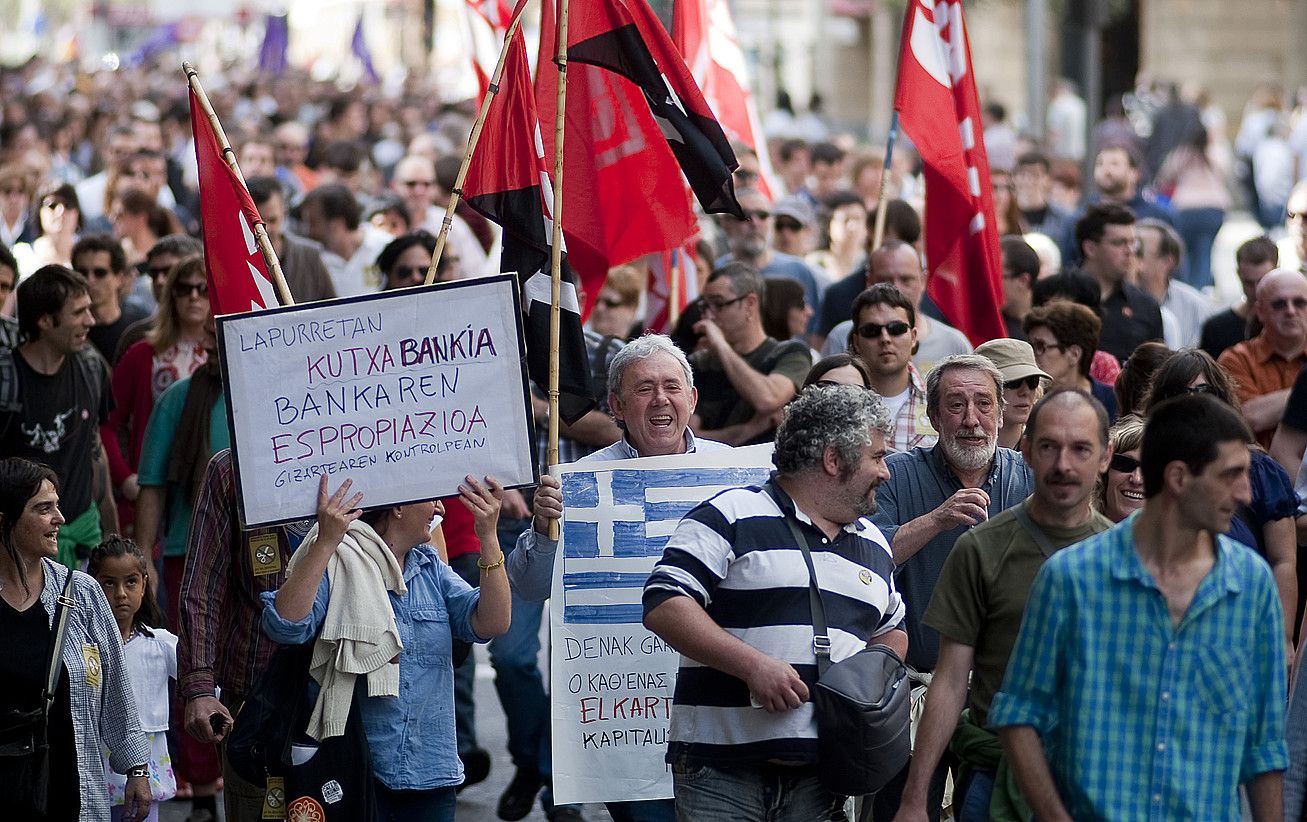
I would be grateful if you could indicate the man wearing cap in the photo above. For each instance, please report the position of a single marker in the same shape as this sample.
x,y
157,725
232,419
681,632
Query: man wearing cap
x,y
793,219
752,241
981,594
1023,385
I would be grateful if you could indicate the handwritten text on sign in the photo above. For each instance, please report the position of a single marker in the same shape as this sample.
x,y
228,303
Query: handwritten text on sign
x,y
613,680
398,391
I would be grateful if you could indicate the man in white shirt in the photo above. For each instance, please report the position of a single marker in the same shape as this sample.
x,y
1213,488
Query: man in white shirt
x,y
331,216
414,181
1160,250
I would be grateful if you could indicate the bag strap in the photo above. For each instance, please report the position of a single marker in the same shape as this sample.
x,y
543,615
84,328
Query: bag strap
x,y
820,633
63,603
1036,533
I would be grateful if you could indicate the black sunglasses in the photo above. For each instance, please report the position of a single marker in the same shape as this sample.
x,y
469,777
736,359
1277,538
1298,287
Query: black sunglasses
x,y
1201,388
1124,464
1031,382
408,272
97,272
871,331
1300,303
180,290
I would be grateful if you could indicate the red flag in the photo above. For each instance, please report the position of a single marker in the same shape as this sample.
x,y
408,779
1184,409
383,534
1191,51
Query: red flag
x,y
676,265
487,21
507,182
628,132
238,276
937,103
705,35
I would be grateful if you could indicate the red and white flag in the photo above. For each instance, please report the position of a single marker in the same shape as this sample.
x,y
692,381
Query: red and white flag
x,y
486,21
238,276
705,35
670,267
940,111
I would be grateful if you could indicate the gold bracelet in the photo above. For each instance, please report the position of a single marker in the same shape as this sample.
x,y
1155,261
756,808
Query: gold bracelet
x,y
492,566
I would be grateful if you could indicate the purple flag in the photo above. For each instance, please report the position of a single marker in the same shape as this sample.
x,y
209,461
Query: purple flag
x,y
276,38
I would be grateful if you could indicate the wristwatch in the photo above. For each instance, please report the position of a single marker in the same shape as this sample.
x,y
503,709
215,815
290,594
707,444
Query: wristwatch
x,y
139,772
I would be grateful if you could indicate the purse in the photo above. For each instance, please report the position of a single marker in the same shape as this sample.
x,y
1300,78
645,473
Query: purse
x,y
24,748
861,704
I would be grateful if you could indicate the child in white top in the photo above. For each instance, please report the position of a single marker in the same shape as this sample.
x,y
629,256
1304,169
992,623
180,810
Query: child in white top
x,y
150,653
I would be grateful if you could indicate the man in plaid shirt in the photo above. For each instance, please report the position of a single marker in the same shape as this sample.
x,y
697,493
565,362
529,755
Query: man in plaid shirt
x,y
1148,680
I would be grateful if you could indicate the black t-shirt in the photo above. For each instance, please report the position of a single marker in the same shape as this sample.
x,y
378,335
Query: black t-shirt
x,y
58,425
105,338
1295,410
1130,316
25,639
720,405
1222,331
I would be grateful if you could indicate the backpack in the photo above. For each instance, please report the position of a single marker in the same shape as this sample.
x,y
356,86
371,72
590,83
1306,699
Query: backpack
x,y
91,369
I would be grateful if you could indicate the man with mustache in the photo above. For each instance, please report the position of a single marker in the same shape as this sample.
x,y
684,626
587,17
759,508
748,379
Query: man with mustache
x,y
981,595
934,495
1148,678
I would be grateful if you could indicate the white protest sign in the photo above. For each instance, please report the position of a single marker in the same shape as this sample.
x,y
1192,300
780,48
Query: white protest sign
x,y
611,680
403,392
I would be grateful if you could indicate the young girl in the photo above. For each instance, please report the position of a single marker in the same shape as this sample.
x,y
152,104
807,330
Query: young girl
x,y
151,659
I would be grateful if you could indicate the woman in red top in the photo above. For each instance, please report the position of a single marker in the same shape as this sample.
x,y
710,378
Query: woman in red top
x,y
173,349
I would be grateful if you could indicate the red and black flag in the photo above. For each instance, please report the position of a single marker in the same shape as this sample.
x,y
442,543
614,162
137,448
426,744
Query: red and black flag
x,y
626,37
507,181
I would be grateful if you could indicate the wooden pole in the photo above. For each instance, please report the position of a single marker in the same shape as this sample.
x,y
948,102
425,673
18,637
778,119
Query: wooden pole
x,y
556,258
674,290
260,231
472,142
878,236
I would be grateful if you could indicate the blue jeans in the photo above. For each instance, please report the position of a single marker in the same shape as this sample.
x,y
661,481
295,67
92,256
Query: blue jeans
x,y
1197,227
651,810
766,793
465,716
974,806
436,805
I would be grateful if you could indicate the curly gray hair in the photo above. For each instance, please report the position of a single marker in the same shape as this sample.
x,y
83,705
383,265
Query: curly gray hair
x,y
641,348
960,362
836,416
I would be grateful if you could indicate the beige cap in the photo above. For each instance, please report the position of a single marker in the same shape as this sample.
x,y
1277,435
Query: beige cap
x,y
1015,358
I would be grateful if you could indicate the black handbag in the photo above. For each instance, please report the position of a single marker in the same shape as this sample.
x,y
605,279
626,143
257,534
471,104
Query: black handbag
x,y
862,704
24,748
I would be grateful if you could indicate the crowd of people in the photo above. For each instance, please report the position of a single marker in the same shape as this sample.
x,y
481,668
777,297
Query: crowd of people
x,y
1128,412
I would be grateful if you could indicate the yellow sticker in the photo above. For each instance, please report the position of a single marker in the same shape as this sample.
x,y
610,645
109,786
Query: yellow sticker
x,y
91,656
865,576
265,558
274,799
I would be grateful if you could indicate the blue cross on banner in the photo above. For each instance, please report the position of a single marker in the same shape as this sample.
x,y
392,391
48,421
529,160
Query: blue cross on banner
x,y
617,523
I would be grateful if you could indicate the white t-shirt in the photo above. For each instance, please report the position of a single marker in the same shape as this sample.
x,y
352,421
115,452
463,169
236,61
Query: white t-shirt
x,y
895,403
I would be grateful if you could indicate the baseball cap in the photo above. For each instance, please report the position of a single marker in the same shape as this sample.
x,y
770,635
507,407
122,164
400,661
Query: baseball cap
x,y
795,208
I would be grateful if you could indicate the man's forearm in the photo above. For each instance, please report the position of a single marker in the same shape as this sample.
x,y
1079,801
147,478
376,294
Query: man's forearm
x,y
944,702
760,390
1024,752
912,536
1263,413
1266,796
1281,538
595,428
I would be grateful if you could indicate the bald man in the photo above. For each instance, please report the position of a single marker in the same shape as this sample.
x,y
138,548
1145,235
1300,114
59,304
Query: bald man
x,y
1264,367
414,181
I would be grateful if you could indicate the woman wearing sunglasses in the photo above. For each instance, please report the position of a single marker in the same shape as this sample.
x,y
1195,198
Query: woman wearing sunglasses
x,y
1121,489
1023,385
1267,523
172,349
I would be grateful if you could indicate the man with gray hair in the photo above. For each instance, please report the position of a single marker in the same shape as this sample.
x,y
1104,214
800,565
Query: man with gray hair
x,y
651,394
932,497
731,594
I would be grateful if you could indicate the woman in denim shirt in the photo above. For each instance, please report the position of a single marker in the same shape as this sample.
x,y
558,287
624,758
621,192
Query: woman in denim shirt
x,y
412,741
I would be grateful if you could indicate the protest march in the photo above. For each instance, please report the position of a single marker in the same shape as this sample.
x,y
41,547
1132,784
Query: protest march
x,y
950,463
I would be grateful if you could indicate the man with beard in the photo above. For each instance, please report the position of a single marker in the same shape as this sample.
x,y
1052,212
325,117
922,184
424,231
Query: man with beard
x,y
737,550
1148,678
982,590
933,496
751,242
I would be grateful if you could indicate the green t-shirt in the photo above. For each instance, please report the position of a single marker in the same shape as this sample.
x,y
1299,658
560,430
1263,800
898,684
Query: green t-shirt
x,y
721,406
982,591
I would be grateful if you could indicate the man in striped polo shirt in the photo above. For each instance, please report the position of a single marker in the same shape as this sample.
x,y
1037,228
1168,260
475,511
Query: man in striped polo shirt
x,y
731,594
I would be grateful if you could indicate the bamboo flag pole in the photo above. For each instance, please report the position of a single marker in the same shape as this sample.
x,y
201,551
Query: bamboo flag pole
x,y
878,236
674,290
260,231
556,258
472,142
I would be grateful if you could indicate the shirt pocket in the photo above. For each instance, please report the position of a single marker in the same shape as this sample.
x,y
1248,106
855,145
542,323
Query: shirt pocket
x,y
1222,683
431,644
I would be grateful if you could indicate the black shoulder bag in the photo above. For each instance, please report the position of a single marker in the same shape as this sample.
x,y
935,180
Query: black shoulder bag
x,y
862,703
24,747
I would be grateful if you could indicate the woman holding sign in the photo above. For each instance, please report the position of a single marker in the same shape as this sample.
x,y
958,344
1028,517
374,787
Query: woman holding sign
x,y
395,583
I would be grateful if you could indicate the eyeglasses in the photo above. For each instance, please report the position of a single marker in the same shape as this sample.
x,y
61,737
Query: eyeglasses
x,y
416,183
1299,303
158,271
872,331
1031,382
788,224
1124,464
53,204
1041,348
1201,388
97,272
180,290
717,308
408,272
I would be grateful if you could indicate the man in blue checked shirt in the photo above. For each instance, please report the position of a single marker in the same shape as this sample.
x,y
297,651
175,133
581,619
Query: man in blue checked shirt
x,y
1148,680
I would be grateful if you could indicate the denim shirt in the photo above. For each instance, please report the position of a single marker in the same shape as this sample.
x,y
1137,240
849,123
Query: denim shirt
x,y
411,737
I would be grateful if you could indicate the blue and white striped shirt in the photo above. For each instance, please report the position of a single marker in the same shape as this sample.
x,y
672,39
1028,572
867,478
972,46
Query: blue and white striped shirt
x,y
1140,719
735,556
